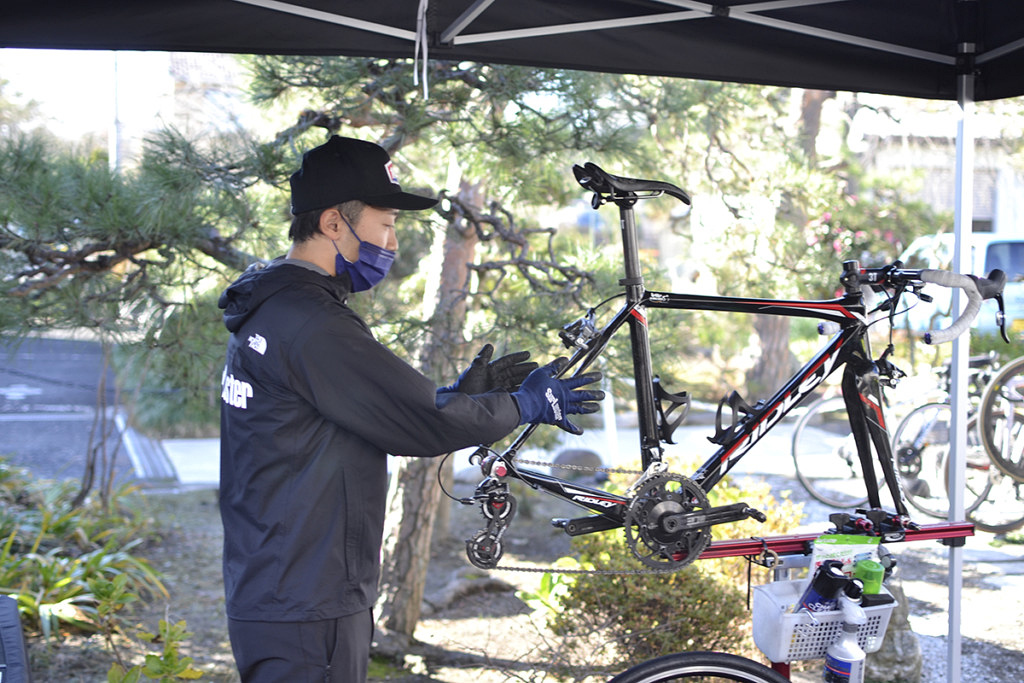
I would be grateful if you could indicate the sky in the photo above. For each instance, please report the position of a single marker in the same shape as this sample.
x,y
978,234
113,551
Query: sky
x,y
76,89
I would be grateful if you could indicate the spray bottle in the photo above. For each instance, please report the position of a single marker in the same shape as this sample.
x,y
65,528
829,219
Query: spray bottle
x,y
844,659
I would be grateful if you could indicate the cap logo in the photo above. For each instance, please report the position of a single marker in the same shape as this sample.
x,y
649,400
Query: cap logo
x,y
389,168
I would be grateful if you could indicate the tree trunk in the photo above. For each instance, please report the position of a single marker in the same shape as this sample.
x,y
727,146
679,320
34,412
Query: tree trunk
x,y
413,495
810,120
776,362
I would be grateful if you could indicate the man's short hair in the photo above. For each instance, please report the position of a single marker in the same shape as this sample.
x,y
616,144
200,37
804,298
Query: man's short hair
x,y
306,225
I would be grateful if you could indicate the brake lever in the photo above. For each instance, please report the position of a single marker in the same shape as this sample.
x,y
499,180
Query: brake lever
x,y
1001,317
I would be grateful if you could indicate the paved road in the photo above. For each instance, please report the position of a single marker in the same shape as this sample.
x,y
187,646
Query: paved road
x,y
49,391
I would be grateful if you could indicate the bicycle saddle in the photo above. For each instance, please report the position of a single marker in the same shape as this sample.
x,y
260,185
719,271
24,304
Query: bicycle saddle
x,y
593,178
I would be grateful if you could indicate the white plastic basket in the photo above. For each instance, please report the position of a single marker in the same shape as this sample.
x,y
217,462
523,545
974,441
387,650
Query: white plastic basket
x,y
784,636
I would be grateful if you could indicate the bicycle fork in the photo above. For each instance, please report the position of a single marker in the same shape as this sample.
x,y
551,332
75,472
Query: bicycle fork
x,y
862,391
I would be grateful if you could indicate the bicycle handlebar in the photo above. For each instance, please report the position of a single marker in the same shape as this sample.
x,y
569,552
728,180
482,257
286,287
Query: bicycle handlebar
x,y
976,288
898,277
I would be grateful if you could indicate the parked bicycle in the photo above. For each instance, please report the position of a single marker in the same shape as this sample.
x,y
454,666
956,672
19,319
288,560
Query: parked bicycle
x,y
666,517
1002,413
921,444
1000,419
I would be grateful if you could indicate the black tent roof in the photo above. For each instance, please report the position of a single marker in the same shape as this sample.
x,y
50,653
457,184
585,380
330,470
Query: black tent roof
x,y
915,48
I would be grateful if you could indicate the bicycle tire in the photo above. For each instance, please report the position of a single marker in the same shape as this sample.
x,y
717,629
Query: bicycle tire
x,y
825,455
1002,509
705,667
921,448
1002,415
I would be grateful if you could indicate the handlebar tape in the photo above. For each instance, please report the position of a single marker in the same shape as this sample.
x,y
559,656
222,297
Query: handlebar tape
x,y
976,289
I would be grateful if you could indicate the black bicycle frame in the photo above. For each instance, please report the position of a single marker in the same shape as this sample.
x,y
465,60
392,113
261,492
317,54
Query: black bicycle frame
x,y
849,347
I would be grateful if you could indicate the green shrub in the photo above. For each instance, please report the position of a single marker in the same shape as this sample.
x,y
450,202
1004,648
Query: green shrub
x,y
622,619
51,551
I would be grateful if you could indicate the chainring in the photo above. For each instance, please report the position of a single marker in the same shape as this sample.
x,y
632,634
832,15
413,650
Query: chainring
x,y
648,533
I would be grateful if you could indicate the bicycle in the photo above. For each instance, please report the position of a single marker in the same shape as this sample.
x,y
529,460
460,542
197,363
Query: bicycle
x,y
1002,412
666,517
1000,418
993,499
921,446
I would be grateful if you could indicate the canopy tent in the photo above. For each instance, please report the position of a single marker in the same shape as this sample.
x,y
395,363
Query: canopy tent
x,y
915,48
963,50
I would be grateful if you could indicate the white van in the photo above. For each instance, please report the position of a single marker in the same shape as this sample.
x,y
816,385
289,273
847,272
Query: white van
x,y
988,251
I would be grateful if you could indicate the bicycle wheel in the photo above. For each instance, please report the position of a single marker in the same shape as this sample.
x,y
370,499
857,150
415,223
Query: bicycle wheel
x,y
921,448
707,667
825,455
1002,415
1001,510
993,501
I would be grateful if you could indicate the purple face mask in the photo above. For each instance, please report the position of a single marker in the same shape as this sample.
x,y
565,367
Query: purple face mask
x,y
370,268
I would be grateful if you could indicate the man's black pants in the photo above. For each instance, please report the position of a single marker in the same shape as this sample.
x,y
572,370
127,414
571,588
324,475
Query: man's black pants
x,y
335,650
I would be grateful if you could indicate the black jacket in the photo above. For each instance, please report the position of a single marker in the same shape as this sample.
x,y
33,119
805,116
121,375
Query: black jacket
x,y
311,405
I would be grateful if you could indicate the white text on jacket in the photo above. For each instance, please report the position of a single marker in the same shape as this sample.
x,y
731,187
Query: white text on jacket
x,y
235,392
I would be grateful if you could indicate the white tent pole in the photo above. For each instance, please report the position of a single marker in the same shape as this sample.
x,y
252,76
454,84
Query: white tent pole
x,y
964,211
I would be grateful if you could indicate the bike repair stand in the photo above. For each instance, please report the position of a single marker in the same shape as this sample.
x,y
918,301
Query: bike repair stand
x,y
784,553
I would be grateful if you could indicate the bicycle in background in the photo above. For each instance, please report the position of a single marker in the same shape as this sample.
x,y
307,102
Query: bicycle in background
x,y
999,424
921,444
1002,413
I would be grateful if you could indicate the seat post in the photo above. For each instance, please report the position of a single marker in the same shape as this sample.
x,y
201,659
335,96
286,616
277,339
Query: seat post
x,y
650,447
633,280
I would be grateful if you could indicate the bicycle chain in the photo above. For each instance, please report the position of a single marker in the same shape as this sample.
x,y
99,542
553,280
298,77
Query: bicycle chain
x,y
577,468
578,572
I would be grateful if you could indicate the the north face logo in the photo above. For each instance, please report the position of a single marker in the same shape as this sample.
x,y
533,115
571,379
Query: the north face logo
x,y
258,343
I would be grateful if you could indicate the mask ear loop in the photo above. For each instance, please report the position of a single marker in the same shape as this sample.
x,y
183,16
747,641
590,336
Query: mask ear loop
x,y
350,229
335,243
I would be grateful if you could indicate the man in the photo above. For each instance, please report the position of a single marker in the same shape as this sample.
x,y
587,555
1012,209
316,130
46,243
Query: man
x,y
312,404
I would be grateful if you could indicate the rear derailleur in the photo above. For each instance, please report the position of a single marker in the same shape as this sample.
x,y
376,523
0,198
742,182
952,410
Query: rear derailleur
x,y
498,507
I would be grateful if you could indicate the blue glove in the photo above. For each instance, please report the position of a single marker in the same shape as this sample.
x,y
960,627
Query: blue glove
x,y
484,375
544,399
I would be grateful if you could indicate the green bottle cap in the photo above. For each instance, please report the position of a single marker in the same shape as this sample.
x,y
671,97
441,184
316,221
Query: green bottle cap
x,y
871,573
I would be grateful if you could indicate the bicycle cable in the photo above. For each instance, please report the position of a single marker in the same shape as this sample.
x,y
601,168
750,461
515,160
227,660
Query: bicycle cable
x,y
440,481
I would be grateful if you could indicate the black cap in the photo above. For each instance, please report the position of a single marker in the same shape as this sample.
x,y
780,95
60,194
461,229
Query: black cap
x,y
343,169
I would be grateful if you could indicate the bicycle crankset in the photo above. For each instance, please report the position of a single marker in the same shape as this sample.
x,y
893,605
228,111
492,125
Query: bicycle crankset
x,y
657,530
668,523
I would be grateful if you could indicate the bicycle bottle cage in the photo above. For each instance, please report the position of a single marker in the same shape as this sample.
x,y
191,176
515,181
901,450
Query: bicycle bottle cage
x,y
667,423
738,405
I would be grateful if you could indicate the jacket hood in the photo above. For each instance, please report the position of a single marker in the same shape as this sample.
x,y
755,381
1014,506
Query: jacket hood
x,y
261,281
